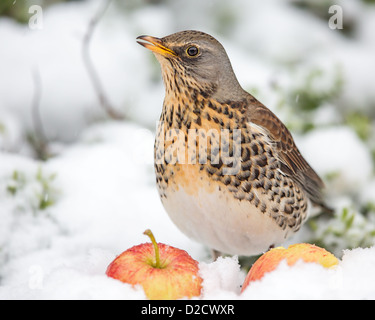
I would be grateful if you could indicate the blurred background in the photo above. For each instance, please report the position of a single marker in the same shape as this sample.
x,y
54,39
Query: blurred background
x,y
282,51
72,76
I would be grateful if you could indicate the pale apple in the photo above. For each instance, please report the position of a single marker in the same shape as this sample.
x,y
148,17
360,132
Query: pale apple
x,y
164,272
269,261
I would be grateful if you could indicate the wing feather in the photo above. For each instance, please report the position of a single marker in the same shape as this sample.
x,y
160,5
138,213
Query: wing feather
x,y
292,162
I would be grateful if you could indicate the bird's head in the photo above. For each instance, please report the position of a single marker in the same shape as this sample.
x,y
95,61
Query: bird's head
x,y
194,60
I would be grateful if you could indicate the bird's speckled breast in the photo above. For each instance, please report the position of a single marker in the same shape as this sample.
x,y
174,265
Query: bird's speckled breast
x,y
191,125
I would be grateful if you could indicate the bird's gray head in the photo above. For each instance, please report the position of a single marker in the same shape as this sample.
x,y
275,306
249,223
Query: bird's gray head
x,y
195,59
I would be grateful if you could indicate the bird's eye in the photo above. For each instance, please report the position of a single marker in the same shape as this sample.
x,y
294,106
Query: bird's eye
x,y
192,51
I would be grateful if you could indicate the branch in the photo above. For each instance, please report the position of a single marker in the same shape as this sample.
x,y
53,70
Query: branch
x,y
40,143
98,87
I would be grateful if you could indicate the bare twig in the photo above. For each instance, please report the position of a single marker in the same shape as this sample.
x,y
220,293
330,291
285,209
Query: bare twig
x,y
104,102
40,141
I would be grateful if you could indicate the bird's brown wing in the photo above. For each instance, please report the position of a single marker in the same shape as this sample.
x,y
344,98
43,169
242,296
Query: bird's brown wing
x,y
292,162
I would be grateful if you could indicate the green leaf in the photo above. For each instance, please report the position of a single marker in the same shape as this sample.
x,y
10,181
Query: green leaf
x,y
349,222
360,123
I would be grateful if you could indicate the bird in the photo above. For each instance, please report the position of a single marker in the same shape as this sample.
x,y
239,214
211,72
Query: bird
x,y
228,171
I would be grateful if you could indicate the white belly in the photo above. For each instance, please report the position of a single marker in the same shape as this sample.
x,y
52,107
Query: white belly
x,y
223,223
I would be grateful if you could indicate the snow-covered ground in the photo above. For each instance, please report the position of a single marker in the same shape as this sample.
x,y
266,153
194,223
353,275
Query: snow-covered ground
x,y
64,220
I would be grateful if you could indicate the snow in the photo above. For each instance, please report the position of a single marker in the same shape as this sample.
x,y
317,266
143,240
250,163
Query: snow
x,y
63,221
63,253
222,278
344,150
351,279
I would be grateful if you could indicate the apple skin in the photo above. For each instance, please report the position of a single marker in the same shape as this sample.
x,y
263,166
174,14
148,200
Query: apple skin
x,y
269,261
176,278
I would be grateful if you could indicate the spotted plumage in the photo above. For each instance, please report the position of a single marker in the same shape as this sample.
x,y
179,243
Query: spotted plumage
x,y
228,171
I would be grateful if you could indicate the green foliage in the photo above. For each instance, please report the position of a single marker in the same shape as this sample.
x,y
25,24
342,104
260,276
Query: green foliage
x,y
17,10
46,195
347,229
314,89
361,124
2,128
331,176
16,183
309,96
38,190
369,208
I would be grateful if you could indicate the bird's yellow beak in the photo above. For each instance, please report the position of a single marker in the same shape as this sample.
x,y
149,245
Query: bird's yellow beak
x,y
155,45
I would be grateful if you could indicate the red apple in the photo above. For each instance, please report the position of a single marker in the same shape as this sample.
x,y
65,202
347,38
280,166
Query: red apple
x,y
269,261
164,272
